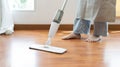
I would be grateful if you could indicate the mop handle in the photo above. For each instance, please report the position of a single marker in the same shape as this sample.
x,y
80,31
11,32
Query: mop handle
x,y
64,4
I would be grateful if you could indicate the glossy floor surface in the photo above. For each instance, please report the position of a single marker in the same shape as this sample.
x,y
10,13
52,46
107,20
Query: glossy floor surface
x,y
15,52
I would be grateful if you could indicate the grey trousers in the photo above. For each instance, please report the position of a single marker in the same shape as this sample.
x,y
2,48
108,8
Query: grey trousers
x,y
82,26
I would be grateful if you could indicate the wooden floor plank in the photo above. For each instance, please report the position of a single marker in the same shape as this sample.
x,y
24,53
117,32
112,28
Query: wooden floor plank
x,y
14,51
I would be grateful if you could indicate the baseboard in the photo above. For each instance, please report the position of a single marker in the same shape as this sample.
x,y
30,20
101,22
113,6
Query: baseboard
x,y
118,17
41,27
62,27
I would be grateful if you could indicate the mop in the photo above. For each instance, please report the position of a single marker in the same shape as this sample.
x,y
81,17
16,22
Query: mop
x,y
52,31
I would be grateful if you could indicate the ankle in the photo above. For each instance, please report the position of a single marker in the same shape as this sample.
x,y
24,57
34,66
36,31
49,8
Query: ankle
x,y
96,35
76,34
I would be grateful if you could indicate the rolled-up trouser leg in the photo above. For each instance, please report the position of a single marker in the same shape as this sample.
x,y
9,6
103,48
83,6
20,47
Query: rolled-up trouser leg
x,y
81,26
100,29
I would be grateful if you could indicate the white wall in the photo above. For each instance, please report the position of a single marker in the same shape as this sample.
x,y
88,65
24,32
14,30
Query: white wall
x,y
45,11
118,8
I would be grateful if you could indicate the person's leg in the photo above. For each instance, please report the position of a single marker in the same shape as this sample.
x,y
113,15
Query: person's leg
x,y
80,27
100,29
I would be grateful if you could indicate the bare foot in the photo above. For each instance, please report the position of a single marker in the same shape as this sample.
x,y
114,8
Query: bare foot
x,y
71,36
94,39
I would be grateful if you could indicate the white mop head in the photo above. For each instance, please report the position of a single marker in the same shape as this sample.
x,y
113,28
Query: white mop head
x,y
48,48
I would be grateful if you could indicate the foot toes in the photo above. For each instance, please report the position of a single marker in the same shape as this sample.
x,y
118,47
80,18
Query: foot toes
x,y
93,39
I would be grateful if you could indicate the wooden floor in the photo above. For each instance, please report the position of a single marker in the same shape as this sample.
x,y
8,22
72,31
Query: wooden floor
x,y
14,51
